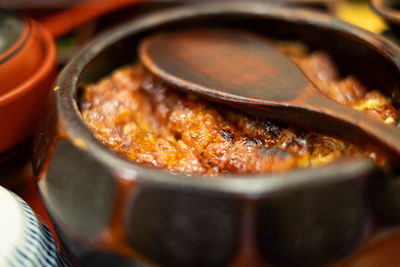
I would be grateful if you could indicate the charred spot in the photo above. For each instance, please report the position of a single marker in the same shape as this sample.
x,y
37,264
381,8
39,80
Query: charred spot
x,y
289,141
269,127
177,136
272,129
274,151
227,135
253,142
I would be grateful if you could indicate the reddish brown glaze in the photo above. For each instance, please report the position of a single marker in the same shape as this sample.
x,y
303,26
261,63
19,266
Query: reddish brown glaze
x,y
379,251
22,59
144,120
20,107
61,23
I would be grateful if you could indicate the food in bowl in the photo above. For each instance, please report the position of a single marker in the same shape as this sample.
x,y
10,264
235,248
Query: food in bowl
x,y
146,121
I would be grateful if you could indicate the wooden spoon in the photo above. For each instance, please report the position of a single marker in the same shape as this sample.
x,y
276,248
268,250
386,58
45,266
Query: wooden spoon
x,y
246,71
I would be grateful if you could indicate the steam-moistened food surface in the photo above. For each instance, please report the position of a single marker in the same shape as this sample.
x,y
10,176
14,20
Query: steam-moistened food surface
x,y
144,120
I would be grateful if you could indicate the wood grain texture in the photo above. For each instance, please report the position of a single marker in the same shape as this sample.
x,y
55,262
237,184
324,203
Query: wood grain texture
x,y
223,61
245,70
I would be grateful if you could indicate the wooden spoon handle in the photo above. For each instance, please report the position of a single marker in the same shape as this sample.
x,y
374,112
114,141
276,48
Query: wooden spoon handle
x,y
324,115
355,126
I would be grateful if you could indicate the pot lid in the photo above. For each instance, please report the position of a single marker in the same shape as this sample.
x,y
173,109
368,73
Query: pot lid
x,y
12,27
21,49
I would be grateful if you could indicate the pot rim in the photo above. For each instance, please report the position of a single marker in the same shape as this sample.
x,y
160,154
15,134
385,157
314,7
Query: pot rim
x,y
46,65
385,11
20,43
246,185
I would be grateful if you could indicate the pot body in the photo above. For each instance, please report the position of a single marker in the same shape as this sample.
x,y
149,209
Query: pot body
x,y
108,210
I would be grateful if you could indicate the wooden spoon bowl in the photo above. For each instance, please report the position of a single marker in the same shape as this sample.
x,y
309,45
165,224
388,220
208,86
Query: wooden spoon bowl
x,y
246,71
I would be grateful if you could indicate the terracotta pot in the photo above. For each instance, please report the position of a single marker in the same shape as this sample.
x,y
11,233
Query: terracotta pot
x,y
27,69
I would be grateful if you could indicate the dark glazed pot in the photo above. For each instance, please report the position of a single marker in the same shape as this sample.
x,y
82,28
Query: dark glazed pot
x,y
105,207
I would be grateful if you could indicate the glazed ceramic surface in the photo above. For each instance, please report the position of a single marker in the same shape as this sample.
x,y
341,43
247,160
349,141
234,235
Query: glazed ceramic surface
x,y
107,210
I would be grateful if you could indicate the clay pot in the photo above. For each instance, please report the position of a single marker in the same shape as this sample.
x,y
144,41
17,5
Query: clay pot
x,y
27,69
107,209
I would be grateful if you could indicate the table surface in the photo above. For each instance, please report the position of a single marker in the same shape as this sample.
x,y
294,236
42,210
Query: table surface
x,y
381,251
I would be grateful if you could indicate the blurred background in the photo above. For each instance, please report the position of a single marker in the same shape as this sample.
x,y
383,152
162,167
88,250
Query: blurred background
x,y
74,22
